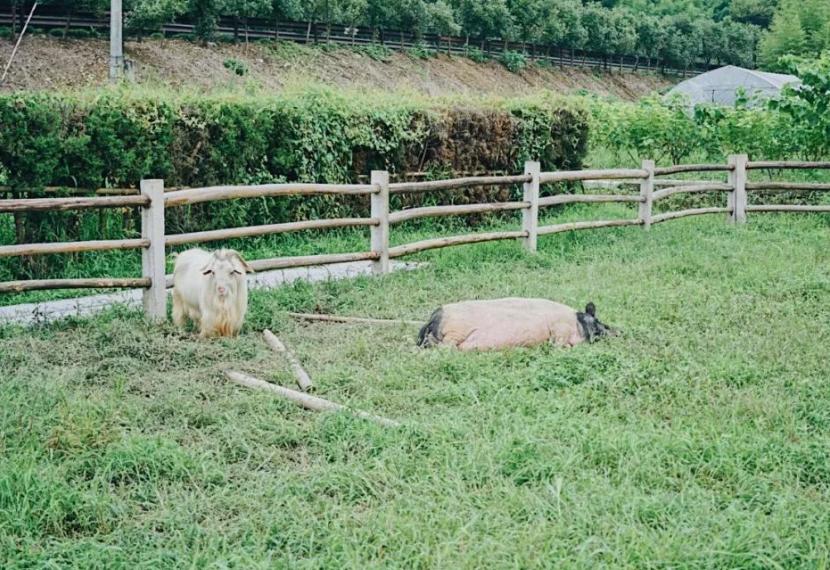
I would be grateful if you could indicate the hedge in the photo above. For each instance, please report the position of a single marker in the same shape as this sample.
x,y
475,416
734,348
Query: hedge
x,y
117,138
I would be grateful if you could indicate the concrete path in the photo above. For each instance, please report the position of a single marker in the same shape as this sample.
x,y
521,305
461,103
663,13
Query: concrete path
x,y
47,311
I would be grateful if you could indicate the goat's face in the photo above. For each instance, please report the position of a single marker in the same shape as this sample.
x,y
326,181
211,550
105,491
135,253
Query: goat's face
x,y
592,328
226,273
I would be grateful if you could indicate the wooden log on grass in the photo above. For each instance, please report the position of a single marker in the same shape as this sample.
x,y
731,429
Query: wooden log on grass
x,y
340,319
303,379
307,401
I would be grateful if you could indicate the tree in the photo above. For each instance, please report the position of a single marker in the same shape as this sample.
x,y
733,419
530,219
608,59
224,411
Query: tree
x,y
485,19
205,13
651,37
441,19
146,16
785,36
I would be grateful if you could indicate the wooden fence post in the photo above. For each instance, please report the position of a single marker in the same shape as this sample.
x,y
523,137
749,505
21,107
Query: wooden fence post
x,y
152,257
530,215
737,179
647,194
380,211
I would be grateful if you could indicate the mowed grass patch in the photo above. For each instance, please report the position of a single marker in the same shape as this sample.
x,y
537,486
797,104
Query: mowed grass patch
x,y
699,438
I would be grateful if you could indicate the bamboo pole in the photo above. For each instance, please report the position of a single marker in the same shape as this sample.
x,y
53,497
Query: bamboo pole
x,y
248,231
558,228
692,189
45,204
307,401
417,246
308,260
692,212
71,247
455,210
303,379
586,199
455,183
341,319
43,284
214,193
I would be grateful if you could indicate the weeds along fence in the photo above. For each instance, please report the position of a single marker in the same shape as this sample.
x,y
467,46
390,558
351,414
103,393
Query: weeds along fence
x,y
153,201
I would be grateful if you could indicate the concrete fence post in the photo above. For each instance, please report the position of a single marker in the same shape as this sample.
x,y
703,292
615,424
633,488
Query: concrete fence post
x,y
737,196
152,257
530,215
380,231
647,194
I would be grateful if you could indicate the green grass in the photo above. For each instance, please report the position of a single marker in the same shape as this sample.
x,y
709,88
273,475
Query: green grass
x,y
699,438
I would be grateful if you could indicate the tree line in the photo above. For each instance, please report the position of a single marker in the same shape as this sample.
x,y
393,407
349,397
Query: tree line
x,y
675,37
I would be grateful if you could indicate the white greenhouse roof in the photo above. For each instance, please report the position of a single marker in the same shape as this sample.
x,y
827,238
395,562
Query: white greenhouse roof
x,y
720,86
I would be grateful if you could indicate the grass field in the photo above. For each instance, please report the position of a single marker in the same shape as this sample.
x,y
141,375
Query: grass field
x,y
700,438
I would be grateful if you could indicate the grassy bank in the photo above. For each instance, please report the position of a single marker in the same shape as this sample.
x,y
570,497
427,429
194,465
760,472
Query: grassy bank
x,y
698,439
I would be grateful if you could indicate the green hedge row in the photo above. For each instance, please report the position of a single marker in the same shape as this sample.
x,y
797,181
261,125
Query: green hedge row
x,y
117,138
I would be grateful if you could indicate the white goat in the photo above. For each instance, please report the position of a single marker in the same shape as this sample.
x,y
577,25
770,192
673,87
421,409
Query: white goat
x,y
210,289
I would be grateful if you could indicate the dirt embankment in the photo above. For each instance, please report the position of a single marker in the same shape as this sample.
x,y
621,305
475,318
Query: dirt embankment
x,y
48,63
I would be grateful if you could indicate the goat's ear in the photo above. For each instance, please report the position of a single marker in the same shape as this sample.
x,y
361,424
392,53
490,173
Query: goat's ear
x,y
591,309
238,257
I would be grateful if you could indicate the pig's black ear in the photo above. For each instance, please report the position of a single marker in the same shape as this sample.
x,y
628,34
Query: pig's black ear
x,y
591,309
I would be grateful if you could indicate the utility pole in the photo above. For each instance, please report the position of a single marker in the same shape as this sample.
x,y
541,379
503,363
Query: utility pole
x,y
116,41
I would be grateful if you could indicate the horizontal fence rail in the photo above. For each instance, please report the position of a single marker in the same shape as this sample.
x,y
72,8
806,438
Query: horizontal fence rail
x,y
576,175
686,213
434,211
270,229
692,189
59,204
680,168
71,247
153,200
787,165
42,284
214,193
438,243
587,199
456,183
574,226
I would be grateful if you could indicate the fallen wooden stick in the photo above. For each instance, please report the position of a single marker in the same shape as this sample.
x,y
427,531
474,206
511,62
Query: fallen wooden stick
x,y
339,319
305,400
303,379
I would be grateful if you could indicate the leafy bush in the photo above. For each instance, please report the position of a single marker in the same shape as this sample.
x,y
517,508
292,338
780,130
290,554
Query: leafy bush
x,y
513,60
5,33
476,54
236,66
376,52
421,51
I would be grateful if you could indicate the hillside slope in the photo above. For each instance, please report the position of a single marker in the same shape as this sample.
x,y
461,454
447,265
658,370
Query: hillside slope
x,y
48,63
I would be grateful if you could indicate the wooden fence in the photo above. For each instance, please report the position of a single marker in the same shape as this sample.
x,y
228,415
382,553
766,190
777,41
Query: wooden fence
x,y
153,201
